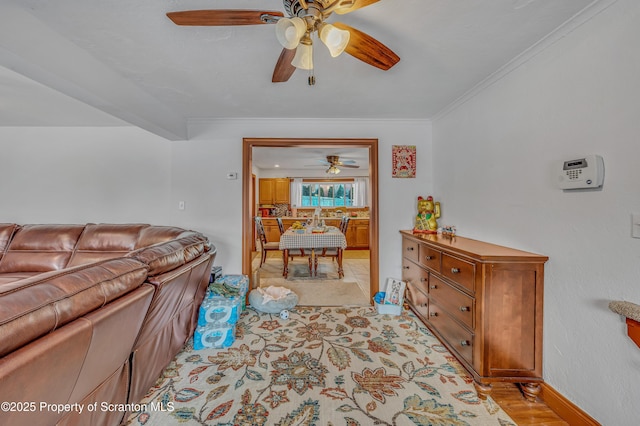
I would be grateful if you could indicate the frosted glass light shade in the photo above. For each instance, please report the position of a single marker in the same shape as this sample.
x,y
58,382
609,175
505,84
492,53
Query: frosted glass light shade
x,y
303,58
289,31
336,40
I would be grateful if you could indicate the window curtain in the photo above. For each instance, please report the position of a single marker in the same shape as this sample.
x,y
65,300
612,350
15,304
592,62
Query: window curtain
x,y
296,192
360,192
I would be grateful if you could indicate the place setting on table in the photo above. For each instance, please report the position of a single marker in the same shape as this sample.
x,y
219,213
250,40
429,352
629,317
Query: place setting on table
x,y
314,239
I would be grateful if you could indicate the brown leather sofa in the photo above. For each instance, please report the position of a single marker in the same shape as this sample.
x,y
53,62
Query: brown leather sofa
x,y
91,314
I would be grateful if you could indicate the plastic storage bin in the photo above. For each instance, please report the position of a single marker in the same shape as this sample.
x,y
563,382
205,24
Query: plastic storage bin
x,y
386,308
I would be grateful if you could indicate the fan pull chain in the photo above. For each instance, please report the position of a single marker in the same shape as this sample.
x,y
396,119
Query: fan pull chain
x,y
311,80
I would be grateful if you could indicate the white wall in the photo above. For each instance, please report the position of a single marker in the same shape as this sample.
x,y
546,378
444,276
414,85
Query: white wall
x,y
493,173
213,203
79,175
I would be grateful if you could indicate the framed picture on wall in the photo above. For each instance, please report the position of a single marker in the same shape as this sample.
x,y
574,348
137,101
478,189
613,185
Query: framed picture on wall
x,y
404,161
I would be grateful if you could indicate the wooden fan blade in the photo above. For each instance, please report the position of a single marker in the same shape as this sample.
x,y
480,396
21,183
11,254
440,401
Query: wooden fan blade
x,y
284,69
358,4
220,17
349,166
366,48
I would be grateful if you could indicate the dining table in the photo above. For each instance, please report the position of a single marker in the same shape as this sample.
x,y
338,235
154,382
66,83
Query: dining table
x,y
312,239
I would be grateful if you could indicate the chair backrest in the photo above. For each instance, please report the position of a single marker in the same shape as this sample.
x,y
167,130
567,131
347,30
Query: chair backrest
x,y
280,225
344,224
260,229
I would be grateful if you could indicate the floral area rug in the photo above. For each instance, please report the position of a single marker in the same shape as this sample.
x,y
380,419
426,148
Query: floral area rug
x,y
322,366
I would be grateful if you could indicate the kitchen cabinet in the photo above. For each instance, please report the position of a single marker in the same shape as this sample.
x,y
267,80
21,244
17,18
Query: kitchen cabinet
x,y
358,234
274,191
271,230
483,301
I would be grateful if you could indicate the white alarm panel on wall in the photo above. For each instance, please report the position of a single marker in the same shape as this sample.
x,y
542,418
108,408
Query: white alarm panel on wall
x,y
585,172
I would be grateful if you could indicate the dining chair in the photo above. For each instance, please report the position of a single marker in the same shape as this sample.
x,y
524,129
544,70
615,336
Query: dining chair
x,y
344,224
333,251
265,245
292,252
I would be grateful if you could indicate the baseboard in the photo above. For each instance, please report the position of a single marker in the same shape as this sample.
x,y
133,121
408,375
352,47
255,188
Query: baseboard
x,y
565,409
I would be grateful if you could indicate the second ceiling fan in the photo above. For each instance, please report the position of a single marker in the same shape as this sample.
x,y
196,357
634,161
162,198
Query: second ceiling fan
x,y
305,17
334,163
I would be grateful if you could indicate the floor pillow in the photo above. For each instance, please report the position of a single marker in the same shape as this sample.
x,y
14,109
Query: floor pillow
x,y
272,300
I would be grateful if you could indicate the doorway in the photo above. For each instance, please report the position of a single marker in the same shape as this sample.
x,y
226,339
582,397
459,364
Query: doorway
x,y
248,193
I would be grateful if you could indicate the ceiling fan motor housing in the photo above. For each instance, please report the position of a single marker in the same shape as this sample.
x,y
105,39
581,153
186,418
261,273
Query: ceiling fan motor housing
x,y
312,8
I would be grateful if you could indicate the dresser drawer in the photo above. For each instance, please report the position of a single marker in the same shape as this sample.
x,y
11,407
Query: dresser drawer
x,y
460,271
410,249
458,337
430,258
412,273
418,299
458,304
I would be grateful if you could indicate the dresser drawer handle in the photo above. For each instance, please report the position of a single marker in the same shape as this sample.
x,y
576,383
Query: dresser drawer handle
x,y
409,248
455,270
464,308
464,343
428,257
433,286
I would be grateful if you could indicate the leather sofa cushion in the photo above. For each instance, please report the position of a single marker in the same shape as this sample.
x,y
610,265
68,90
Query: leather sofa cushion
x,y
38,305
6,232
170,255
105,241
40,248
11,277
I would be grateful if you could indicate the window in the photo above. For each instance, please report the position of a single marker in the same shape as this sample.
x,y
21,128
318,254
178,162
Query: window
x,y
327,194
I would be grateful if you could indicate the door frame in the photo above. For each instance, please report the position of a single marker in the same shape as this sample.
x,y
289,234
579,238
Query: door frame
x,y
248,192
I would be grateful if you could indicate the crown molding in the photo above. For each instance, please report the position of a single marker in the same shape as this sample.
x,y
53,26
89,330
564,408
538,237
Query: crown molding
x,y
576,21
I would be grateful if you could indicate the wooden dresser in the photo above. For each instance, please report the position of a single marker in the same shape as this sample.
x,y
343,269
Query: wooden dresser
x,y
483,301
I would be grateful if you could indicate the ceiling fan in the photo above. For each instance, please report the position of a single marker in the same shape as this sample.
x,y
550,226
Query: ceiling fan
x,y
305,17
334,163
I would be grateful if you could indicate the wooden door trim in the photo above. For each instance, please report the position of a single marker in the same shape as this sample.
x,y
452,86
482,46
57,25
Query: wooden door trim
x,y
247,220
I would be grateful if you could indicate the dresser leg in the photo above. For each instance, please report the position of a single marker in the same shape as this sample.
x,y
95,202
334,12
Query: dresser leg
x,y
483,389
530,391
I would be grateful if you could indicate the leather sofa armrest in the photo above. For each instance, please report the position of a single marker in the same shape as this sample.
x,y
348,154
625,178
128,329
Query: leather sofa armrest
x,y
164,257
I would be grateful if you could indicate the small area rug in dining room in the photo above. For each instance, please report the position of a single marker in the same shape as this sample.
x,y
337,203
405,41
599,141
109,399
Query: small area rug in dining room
x,y
322,366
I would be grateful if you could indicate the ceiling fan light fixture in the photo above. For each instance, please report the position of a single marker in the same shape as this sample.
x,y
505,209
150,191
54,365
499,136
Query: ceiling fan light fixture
x,y
289,31
335,39
304,55
333,170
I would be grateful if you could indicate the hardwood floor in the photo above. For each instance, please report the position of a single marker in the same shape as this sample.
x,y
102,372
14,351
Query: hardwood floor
x,y
523,412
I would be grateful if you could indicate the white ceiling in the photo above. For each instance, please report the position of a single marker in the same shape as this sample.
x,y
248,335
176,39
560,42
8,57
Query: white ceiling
x,y
96,62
